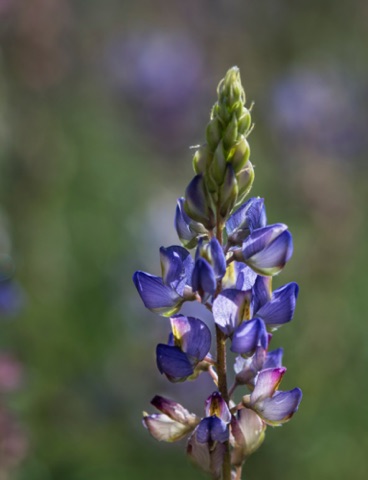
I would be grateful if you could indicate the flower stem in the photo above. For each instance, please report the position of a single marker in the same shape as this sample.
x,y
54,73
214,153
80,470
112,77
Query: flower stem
x,y
221,366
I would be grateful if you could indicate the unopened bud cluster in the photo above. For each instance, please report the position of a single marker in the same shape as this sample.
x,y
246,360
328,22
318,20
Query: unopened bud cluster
x,y
224,172
236,256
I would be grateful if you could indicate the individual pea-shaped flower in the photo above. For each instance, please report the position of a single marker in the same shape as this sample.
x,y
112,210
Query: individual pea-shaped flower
x,y
248,336
266,250
166,295
189,343
274,407
246,369
209,267
248,433
231,311
206,445
249,217
277,307
172,424
187,229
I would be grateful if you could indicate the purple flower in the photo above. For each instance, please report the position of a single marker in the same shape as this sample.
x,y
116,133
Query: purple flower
x,y
249,217
206,444
246,369
167,294
248,336
189,343
209,267
267,249
187,229
173,423
274,407
281,306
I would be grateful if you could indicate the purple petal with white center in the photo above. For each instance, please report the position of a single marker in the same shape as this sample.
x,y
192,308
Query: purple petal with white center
x,y
261,292
212,429
218,258
280,309
193,336
248,217
203,277
266,384
230,308
268,249
174,410
248,431
274,359
209,459
216,405
248,336
157,296
239,276
280,408
164,428
173,362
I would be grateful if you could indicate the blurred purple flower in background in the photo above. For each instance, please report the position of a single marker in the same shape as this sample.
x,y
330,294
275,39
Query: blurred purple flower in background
x,y
149,70
319,110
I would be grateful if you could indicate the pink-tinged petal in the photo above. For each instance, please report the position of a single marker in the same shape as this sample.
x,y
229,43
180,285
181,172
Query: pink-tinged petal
x,y
163,428
266,384
280,408
230,308
216,405
192,335
157,296
207,459
248,433
174,410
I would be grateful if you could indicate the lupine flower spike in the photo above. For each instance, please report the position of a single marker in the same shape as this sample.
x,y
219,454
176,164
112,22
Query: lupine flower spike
x,y
230,271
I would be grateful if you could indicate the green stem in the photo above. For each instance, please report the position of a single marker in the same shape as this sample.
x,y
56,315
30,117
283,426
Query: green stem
x,y
221,366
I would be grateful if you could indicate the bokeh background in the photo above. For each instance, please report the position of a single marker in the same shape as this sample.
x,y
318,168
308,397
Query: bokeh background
x,y
99,104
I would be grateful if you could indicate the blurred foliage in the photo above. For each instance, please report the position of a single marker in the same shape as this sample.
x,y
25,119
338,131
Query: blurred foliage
x,y
99,102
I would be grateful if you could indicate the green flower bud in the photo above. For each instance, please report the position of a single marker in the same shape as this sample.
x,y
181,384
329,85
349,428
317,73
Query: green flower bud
x,y
202,158
230,89
239,155
245,121
231,133
218,165
245,180
213,133
228,192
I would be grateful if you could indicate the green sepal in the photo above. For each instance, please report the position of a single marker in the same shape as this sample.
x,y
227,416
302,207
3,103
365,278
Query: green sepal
x,y
239,154
231,133
202,158
213,133
228,193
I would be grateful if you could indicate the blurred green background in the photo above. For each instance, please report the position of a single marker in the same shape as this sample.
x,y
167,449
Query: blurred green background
x,y
99,103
